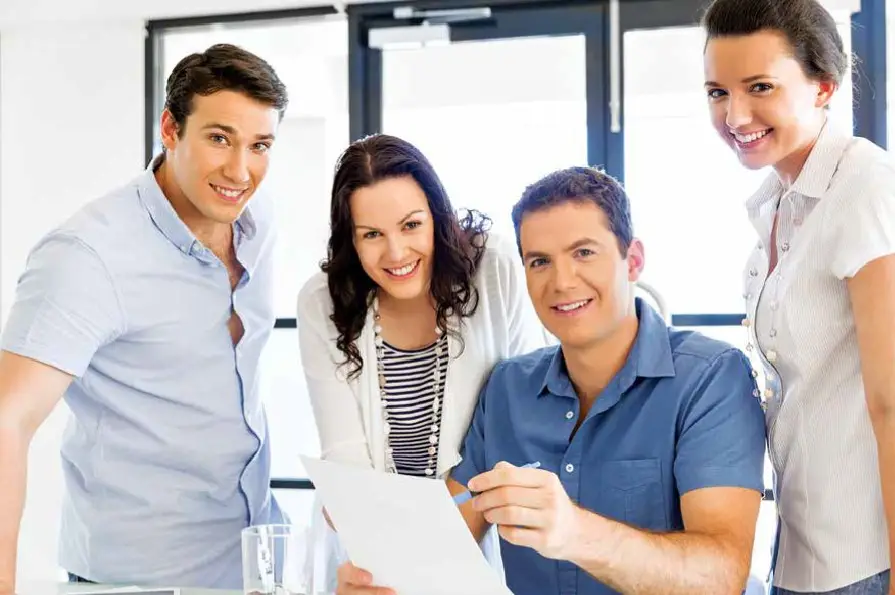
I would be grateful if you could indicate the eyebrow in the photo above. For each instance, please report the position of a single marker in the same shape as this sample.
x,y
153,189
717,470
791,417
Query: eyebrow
x,y
747,80
401,222
231,130
573,246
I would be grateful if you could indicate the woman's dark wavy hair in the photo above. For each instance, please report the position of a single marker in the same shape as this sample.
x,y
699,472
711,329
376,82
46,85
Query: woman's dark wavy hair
x,y
459,240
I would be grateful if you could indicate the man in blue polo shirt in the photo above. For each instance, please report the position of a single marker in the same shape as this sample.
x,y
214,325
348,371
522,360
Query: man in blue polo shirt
x,y
147,311
650,440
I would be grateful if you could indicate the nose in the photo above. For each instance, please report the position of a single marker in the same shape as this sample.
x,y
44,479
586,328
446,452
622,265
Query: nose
x,y
395,248
565,274
739,112
236,169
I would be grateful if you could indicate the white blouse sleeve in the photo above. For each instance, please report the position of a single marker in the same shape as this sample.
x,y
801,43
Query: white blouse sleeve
x,y
336,410
863,228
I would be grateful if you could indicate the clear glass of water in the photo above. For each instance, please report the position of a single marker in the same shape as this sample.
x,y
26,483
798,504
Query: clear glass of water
x,y
275,560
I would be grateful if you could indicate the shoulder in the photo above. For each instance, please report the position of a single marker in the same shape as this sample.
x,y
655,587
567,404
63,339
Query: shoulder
x,y
499,264
313,297
699,356
528,370
865,167
100,229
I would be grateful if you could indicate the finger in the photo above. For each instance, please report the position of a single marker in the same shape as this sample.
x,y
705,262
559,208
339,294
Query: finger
x,y
537,498
517,516
356,581
520,536
506,474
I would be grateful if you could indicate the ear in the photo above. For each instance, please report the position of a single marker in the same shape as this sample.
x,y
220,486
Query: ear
x,y
825,91
636,260
169,130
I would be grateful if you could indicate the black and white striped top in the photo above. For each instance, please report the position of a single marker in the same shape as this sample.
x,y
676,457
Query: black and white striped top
x,y
410,390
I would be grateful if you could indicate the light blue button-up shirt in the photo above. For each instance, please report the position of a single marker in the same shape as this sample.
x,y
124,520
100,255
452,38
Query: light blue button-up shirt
x,y
166,456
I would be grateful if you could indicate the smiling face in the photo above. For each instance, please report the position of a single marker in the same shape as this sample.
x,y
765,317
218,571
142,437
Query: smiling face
x,y
394,236
581,285
761,101
216,162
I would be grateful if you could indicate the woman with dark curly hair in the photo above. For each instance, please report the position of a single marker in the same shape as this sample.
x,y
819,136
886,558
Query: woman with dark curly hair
x,y
412,309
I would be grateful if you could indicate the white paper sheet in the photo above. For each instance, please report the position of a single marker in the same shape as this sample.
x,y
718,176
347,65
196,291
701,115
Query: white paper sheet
x,y
404,530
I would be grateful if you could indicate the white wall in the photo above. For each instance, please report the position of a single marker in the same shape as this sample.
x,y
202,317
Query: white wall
x,y
71,127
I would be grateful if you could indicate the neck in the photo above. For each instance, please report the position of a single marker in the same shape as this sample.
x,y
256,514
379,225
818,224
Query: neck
x,y
422,303
216,236
591,368
789,168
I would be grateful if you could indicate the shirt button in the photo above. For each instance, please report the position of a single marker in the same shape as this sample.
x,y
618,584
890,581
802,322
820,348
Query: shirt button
x,y
768,393
570,468
570,414
785,246
772,356
753,273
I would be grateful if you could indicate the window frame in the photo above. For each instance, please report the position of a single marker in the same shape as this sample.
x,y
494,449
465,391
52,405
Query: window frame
x,y
604,147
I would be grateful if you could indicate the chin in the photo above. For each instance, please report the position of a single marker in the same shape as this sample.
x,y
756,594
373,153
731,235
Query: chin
x,y
401,292
754,163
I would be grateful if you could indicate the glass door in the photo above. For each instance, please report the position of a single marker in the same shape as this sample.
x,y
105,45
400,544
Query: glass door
x,y
495,97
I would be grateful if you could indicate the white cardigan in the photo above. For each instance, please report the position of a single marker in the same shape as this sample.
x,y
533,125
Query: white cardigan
x,y
349,412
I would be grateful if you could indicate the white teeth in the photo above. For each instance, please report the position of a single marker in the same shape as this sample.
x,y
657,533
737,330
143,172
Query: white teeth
x,y
227,192
751,137
572,306
403,271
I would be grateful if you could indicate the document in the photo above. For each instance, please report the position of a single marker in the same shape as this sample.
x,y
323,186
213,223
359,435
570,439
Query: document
x,y
406,531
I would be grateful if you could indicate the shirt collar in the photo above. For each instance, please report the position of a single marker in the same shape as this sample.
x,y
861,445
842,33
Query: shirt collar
x,y
650,357
172,226
816,175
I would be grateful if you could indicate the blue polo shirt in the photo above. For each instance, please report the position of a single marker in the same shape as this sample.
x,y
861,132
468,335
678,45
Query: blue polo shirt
x,y
679,416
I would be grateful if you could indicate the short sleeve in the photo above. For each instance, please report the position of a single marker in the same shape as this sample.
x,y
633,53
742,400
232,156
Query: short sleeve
x,y
473,451
722,432
864,226
66,306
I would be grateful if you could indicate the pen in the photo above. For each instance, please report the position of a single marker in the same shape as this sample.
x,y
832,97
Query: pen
x,y
466,496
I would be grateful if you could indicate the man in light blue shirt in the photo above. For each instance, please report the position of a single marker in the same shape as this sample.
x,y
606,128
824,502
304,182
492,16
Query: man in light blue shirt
x,y
147,311
650,439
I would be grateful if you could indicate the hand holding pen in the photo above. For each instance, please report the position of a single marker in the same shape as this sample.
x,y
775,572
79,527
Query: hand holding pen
x,y
530,507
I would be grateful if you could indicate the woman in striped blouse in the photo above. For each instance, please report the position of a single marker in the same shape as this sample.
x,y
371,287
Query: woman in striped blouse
x,y
413,307
819,290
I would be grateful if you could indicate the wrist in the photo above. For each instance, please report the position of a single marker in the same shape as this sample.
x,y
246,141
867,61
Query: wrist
x,y
590,540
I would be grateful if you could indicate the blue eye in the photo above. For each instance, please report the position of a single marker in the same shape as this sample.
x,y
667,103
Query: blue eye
x,y
537,262
584,252
262,147
716,93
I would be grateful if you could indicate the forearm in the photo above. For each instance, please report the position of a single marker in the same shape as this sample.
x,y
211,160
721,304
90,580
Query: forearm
x,y
884,428
13,471
637,562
